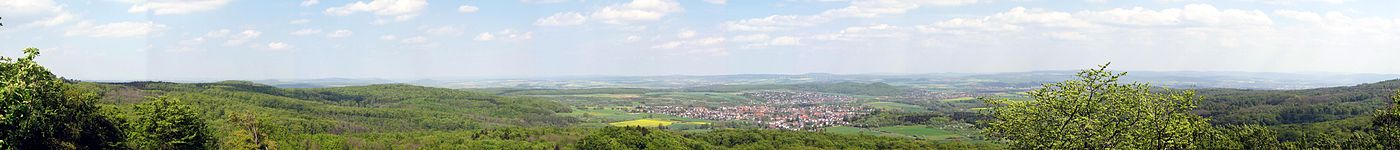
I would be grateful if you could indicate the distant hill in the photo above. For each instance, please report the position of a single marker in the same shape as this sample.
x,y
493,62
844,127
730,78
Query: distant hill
x,y
379,108
1273,107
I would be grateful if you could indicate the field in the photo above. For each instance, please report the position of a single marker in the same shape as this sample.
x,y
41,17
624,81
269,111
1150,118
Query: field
x,y
700,97
959,99
851,131
653,122
896,106
611,115
644,123
920,132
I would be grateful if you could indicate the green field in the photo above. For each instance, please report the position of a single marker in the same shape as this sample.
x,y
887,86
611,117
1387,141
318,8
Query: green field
x,y
851,131
653,123
920,132
705,97
610,115
896,106
959,99
644,123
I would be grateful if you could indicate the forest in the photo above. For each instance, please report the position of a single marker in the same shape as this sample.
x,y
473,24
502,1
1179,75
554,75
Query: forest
x,y
41,110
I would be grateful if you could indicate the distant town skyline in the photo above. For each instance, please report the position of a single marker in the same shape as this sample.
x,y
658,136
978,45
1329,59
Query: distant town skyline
x,y
405,39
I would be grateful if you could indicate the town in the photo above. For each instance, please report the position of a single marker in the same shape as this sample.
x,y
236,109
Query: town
x,y
778,109
789,118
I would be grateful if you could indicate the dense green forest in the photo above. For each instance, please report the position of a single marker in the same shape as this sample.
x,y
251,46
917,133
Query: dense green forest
x,y
43,111
39,110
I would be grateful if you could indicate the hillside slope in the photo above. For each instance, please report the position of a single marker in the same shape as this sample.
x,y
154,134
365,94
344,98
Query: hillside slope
x,y
297,114
1274,107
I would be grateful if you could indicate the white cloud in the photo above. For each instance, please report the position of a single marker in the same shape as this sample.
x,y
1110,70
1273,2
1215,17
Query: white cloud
x,y
415,40
1295,2
857,9
562,19
707,45
38,13
750,38
401,10
632,38
785,41
866,32
467,9
444,31
116,30
772,23
241,37
504,35
304,32
1309,17
720,2
27,7
685,34
218,33
299,21
1067,36
340,34
55,20
388,37
305,3
171,7
1134,16
278,46
543,1
636,11
484,36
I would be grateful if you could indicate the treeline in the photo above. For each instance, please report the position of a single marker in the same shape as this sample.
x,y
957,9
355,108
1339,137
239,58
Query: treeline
x,y
625,138
1095,111
1271,107
39,110
43,111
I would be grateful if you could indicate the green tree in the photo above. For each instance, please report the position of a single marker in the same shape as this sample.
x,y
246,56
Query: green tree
x,y
1097,112
39,111
247,133
165,123
1387,123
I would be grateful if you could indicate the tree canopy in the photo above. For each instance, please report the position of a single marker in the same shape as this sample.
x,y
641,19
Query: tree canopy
x,y
39,111
1097,112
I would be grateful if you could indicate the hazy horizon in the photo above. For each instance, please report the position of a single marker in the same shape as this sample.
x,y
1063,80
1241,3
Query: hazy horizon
x,y
418,39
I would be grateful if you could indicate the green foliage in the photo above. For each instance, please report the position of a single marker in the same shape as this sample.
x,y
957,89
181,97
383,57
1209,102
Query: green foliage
x,y
248,133
1387,123
39,111
166,123
1097,112
1277,107
1243,137
782,139
637,138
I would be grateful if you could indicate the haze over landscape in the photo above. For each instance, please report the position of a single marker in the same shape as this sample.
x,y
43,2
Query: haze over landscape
x,y
699,74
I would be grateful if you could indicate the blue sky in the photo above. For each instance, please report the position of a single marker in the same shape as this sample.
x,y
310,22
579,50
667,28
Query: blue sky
x,y
405,39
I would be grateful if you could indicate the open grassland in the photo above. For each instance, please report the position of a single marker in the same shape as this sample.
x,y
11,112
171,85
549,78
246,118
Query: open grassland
x,y
653,123
896,106
644,123
959,99
610,115
920,132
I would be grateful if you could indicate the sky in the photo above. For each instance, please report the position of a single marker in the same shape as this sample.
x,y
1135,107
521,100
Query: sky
x,y
303,39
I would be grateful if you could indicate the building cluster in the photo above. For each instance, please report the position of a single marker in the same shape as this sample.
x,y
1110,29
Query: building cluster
x,y
797,97
789,118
